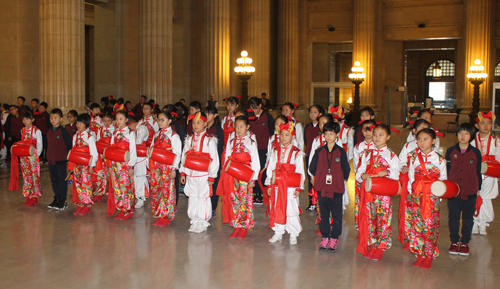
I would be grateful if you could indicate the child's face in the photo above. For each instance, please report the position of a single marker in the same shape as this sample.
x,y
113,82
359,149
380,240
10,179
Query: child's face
x,y
212,97
80,126
427,116
163,121
231,107
330,137
314,113
380,137
367,132
419,128
121,120
107,121
199,125
13,110
42,109
55,119
96,111
241,128
211,117
27,121
71,118
287,111
286,137
322,121
193,110
129,106
365,115
484,126
20,102
34,104
257,109
277,123
425,142
146,109
463,137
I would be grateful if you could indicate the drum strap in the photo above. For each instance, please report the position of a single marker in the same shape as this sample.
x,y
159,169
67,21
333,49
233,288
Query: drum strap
x,y
422,189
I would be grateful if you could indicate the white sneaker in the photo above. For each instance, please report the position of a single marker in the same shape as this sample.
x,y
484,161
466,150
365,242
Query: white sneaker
x,y
276,238
482,230
139,204
192,228
475,229
293,240
199,229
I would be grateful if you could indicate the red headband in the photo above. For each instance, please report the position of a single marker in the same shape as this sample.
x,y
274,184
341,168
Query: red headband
x,y
440,134
238,97
288,127
174,113
130,113
36,113
395,130
197,116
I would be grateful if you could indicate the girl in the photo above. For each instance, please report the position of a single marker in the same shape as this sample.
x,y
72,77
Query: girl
x,y
237,195
232,104
83,141
194,108
30,166
215,130
95,119
422,114
284,200
345,137
71,126
199,206
375,211
312,130
426,167
122,174
161,176
288,110
105,134
274,140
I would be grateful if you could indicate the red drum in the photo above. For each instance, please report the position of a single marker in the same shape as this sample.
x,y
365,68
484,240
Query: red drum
x,y
292,182
117,155
162,156
197,162
79,158
382,186
239,171
142,151
445,189
101,146
22,150
490,169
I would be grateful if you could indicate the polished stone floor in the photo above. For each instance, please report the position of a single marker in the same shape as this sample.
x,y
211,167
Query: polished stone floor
x,y
42,248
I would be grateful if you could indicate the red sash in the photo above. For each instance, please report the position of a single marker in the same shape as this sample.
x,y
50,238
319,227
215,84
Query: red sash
x,y
227,130
14,161
277,202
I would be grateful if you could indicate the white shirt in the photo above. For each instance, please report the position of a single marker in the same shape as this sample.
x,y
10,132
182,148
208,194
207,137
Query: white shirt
x,y
272,139
176,143
358,151
345,136
104,130
151,121
130,136
299,134
297,159
250,145
407,149
483,146
89,138
193,142
37,135
432,160
384,156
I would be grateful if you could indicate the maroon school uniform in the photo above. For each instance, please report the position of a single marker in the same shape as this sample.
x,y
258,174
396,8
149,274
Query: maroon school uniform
x,y
263,128
311,132
42,122
16,125
71,128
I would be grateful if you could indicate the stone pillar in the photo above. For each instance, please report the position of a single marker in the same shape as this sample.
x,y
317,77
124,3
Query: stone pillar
x,y
62,53
364,46
155,62
478,45
288,51
216,37
257,41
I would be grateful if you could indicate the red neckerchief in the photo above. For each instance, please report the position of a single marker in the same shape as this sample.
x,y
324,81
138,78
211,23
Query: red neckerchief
x,y
480,146
322,141
422,187
31,133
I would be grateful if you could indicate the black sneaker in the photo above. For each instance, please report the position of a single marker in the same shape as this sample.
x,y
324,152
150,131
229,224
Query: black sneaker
x,y
61,205
53,204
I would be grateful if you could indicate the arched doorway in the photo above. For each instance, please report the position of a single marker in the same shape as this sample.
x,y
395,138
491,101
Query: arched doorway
x,y
441,90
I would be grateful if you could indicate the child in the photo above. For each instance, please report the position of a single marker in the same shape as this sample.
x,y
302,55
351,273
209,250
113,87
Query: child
x,y
122,174
71,126
199,206
288,110
59,143
215,130
327,163
490,150
42,122
237,204
422,114
345,139
426,166
464,168
95,119
274,140
194,108
232,104
13,127
263,128
367,113
375,211
34,105
104,135
30,165
311,131
161,176
285,200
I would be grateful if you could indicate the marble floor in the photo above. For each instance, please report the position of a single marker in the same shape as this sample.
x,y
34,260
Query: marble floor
x,y
43,248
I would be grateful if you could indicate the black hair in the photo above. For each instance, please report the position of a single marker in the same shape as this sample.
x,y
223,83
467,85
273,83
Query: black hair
x,y
73,113
22,98
36,100
44,104
263,94
290,105
243,112
113,101
232,100
105,99
84,118
183,111
282,117
28,115
318,107
168,115
255,102
367,109
121,100
13,106
127,102
182,99
384,127
419,122
470,128
331,126
57,111
123,112
145,97
108,114
329,117
428,131
420,113
94,105
369,121
211,109
88,101
196,104
148,104
6,106
203,114
242,118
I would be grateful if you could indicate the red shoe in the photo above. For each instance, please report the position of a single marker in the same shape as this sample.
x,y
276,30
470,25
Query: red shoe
x,y
77,212
28,202
242,234
34,201
119,216
84,211
370,253
377,255
318,232
406,246
235,233
426,264
165,222
158,222
464,250
419,261
128,215
97,198
454,248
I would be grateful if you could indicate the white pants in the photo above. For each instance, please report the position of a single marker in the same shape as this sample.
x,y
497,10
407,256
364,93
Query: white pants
x,y
140,178
489,191
293,225
345,197
199,203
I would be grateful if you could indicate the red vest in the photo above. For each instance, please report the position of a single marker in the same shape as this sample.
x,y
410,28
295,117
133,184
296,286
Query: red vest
x,y
16,125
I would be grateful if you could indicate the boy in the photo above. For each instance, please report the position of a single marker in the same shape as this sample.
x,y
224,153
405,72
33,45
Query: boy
x,y
22,107
367,113
42,122
464,168
490,150
59,143
13,127
326,164
34,104
95,119
285,213
71,126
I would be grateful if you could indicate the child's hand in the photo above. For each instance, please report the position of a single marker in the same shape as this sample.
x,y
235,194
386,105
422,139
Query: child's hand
x,y
251,185
296,193
382,173
183,180
210,183
172,174
404,170
91,170
312,181
365,176
131,173
269,191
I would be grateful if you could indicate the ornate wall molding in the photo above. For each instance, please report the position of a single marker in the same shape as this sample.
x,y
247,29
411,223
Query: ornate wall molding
x,y
420,3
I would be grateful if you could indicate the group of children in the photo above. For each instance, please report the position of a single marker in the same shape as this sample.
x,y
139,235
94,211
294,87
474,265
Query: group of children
x,y
268,157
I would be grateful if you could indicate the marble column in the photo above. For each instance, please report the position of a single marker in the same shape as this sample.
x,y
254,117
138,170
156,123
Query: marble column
x,y
155,61
216,50
364,46
62,53
288,51
257,41
478,45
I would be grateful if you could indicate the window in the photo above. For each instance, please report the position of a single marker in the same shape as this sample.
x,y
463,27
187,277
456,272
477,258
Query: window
x,y
447,68
497,70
